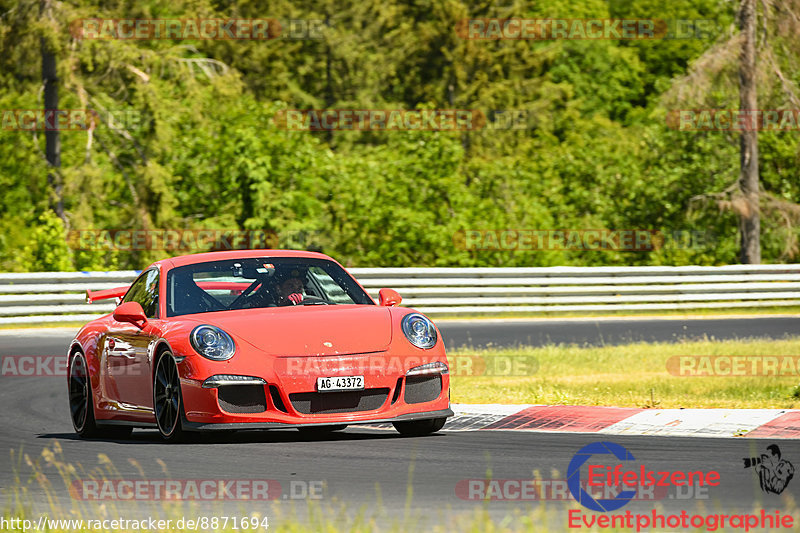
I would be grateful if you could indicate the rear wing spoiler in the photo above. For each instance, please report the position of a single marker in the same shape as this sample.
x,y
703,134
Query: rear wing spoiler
x,y
107,294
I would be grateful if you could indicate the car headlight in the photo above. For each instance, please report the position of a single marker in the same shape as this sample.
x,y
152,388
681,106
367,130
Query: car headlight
x,y
419,331
212,343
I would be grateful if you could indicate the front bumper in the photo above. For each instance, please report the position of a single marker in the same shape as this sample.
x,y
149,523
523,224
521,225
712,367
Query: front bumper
x,y
289,398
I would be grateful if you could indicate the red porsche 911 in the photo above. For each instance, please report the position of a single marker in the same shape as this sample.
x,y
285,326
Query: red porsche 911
x,y
255,339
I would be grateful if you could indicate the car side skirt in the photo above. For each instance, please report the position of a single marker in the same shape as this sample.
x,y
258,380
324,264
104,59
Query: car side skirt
x,y
129,423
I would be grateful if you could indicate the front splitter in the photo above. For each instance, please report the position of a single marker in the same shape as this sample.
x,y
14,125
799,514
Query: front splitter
x,y
200,426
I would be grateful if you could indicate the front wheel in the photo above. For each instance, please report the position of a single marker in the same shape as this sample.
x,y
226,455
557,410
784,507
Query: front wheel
x,y
167,400
418,428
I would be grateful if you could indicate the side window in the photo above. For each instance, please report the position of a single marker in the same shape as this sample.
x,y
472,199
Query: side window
x,y
145,291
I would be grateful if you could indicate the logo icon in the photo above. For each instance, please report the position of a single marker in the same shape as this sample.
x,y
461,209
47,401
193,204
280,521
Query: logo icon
x,y
574,477
773,472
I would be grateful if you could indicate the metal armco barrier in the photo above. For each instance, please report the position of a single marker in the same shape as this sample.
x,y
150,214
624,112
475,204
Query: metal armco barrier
x,y
60,296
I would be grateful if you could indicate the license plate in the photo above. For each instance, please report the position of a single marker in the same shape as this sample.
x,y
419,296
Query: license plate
x,y
337,383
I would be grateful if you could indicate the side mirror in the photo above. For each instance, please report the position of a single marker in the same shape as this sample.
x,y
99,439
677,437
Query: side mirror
x,y
389,297
130,312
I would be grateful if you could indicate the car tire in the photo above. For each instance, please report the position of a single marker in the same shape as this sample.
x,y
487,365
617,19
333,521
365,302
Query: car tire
x,y
418,428
167,399
81,406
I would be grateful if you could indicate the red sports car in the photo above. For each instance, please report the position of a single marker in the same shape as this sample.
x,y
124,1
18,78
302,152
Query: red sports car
x,y
255,339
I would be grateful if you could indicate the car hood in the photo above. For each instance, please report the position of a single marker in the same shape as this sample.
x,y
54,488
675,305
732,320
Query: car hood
x,y
309,330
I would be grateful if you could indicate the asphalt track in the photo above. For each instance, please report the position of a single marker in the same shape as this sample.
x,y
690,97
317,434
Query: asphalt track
x,y
376,471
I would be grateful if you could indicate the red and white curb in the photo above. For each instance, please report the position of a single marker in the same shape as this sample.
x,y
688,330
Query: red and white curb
x,y
758,423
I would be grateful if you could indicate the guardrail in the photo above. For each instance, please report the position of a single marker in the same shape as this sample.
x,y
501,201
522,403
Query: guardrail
x,y
60,296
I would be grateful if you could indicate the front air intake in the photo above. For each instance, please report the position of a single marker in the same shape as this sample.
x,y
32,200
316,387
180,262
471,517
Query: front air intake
x,y
242,398
421,389
310,403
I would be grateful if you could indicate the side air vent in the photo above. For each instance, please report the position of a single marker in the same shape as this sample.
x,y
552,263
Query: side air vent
x,y
277,401
397,389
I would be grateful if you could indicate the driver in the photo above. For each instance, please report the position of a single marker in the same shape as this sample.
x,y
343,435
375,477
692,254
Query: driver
x,y
290,290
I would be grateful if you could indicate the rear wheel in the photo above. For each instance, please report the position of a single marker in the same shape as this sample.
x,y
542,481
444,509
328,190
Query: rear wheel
x,y
418,428
167,400
80,400
81,406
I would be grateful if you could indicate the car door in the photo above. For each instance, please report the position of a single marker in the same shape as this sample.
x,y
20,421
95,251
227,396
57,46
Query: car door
x,y
127,354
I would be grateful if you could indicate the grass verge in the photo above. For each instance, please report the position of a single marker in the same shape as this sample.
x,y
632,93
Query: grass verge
x,y
634,375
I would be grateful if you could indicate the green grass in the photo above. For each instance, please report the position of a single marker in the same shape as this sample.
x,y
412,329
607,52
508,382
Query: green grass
x,y
628,376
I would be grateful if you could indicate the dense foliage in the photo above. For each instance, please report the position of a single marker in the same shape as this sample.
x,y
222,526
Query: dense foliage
x,y
204,151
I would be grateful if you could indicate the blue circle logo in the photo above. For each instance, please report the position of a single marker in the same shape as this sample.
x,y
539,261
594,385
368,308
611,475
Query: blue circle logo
x,y
574,477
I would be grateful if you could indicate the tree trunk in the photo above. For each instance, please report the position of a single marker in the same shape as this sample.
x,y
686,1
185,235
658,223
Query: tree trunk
x,y
51,135
329,97
749,221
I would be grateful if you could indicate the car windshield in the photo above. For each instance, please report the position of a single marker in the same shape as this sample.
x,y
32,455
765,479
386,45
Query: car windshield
x,y
252,283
